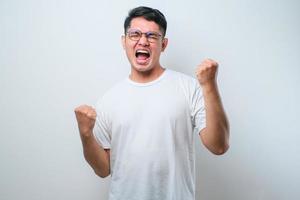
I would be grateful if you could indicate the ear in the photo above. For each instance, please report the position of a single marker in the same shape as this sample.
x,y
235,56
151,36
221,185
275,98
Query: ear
x,y
123,41
164,44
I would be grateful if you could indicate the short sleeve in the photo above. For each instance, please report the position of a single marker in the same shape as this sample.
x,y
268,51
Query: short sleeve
x,y
197,108
102,128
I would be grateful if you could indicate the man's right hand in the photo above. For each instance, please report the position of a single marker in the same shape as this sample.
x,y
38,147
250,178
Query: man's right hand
x,y
86,116
97,157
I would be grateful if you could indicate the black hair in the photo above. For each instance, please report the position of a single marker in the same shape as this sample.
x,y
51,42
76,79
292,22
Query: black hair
x,y
149,14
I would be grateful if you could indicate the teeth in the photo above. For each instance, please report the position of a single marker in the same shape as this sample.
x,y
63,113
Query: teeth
x,y
142,51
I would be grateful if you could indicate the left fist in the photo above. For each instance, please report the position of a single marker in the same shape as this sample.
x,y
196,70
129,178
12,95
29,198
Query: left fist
x,y
206,72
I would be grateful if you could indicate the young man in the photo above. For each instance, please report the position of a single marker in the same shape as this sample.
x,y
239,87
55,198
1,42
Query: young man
x,y
144,128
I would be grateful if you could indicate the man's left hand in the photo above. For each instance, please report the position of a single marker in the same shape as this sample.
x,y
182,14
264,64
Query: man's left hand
x,y
206,72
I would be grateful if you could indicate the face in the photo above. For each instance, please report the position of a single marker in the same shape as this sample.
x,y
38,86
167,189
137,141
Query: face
x,y
142,54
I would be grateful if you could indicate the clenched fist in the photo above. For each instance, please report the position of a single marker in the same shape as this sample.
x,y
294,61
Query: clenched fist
x,y
86,116
206,72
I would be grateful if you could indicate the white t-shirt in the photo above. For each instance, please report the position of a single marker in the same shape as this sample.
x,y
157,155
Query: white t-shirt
x,y
150,130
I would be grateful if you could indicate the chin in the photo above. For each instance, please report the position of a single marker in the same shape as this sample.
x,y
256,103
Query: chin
x,y
142,68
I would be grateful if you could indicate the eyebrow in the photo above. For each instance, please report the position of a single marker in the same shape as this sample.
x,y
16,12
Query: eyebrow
x,y
144,32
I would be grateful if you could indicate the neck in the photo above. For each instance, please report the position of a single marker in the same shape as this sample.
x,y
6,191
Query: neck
x,y
146,76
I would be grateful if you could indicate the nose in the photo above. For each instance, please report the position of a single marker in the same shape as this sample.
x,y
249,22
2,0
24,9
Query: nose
x,y
143,40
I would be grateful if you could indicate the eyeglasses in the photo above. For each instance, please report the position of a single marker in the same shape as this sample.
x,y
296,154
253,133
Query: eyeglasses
x,y
136,35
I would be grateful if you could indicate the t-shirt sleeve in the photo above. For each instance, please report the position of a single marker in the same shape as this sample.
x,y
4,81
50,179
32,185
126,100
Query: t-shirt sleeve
x,y
102,128
197,107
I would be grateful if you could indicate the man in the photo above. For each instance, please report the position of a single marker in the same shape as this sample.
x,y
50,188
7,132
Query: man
x,y
144,128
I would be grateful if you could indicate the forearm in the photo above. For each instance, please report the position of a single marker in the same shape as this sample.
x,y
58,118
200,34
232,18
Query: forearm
x,y
216,134
95,155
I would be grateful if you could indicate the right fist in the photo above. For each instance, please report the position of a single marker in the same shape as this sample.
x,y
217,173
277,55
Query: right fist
x,y
86,116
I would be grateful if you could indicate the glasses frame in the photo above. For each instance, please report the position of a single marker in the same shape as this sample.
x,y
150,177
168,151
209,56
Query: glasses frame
x,y
147,35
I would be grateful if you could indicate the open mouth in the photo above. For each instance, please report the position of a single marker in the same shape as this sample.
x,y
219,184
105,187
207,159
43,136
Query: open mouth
x,y
142,55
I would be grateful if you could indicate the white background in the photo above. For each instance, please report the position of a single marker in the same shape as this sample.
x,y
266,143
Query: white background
x,y
56,55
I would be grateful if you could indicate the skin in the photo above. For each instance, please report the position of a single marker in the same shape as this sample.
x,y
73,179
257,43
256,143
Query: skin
x,y
216,134
94,154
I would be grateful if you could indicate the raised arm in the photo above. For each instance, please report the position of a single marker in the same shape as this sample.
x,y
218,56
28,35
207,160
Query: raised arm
x,y
97,157
216,134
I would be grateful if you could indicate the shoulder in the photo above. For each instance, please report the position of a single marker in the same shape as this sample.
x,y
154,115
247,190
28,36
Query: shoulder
x,y
112,94
183,79
116,89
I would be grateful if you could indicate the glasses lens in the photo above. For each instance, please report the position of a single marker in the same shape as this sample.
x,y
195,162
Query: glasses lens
x,y
134,35
152,36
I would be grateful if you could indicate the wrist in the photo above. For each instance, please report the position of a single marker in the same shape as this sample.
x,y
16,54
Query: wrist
x,y
209,87
86,136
